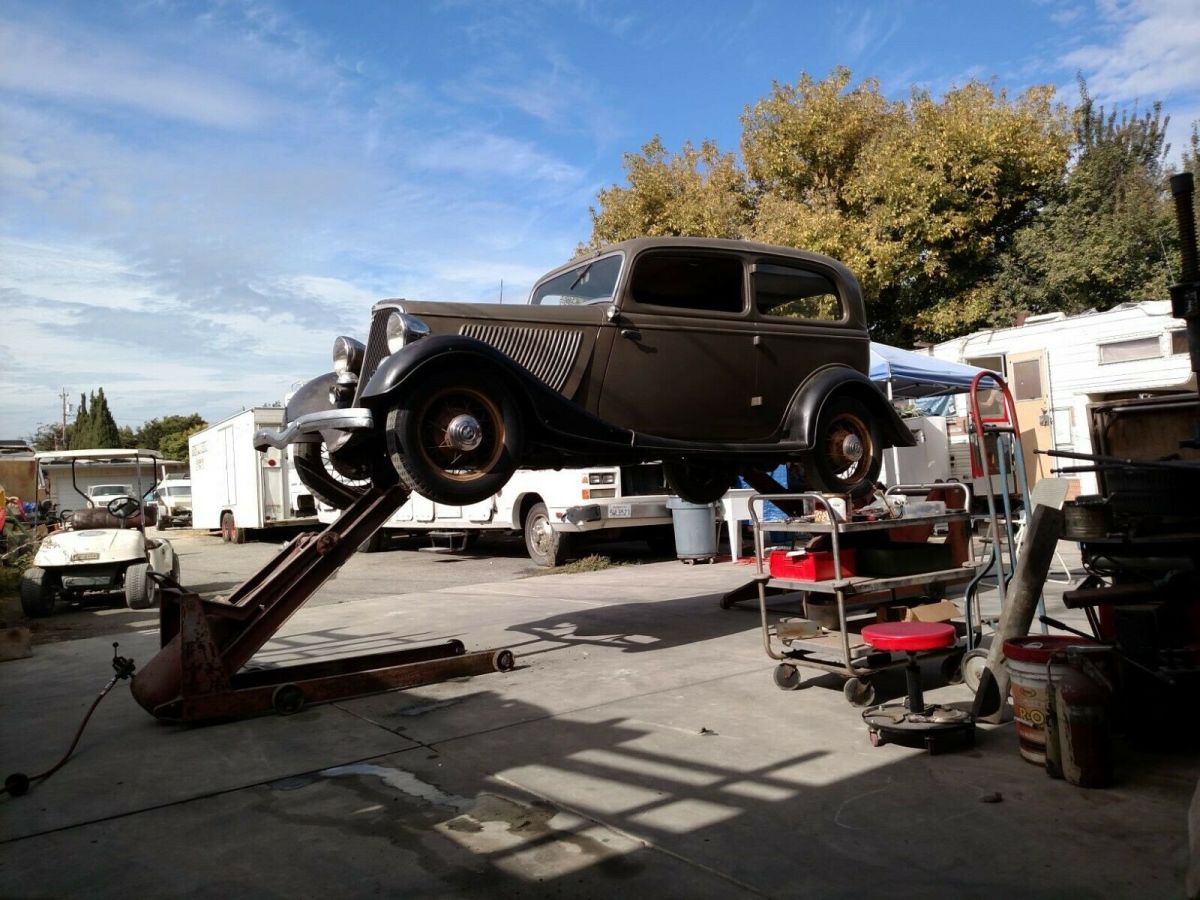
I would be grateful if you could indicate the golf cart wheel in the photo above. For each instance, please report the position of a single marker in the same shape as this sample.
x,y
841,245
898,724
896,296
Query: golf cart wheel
x,y
456,438
333,482
859,691
160,524
846,457
141,591
230,533
39,590
699,482
973,665
787,678
545,546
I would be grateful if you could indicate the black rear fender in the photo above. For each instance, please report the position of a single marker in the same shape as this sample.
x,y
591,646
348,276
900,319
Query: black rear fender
x,y
813,394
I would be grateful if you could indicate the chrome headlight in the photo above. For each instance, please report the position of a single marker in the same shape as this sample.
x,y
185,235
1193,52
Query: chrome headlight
x,y
347,355
403,329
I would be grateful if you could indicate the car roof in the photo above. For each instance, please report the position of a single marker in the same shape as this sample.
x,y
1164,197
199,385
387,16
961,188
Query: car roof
x,y
634,246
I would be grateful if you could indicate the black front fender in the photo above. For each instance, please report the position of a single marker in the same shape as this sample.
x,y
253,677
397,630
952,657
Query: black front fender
x,y
313,397
841,380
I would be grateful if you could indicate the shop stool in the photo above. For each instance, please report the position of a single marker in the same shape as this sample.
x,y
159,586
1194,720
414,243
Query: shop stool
x,y
914,722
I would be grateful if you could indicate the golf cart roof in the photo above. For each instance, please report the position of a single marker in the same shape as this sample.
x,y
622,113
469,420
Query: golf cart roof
x,y
68,455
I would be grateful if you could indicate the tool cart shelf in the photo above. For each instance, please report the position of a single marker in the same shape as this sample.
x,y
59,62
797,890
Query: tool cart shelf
x,y
856,598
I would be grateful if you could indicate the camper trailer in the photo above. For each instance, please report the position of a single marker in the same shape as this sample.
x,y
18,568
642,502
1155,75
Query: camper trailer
x,y
239,490
1056,365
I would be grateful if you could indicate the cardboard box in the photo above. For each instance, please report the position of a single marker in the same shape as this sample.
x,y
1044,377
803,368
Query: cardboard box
x,y
932,612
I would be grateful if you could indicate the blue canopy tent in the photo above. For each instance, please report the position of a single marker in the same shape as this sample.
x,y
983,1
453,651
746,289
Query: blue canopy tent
x,y
905,375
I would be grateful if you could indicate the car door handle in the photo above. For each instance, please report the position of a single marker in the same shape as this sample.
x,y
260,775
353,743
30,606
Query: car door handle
x,y
632,333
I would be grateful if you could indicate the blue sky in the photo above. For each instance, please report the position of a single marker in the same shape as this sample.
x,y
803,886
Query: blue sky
x,y
196,198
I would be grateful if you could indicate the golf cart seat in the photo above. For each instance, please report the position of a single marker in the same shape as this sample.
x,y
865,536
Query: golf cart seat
x,y
98,517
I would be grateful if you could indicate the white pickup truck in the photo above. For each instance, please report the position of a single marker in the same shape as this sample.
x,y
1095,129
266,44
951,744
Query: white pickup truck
x,y
551,508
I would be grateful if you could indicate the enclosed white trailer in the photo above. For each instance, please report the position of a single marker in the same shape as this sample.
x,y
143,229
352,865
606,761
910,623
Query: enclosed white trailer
x,y
237,489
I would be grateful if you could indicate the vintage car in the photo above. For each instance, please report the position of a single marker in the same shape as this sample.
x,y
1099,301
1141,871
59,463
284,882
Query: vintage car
x,y
713,356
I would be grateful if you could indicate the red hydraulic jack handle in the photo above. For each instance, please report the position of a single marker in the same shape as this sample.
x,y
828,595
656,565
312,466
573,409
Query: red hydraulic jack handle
x,y
198,673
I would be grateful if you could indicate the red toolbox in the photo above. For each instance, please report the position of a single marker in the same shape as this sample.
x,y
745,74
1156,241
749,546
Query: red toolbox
x,y
815,566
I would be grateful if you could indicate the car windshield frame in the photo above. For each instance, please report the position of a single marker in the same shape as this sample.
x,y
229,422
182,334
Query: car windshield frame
x,y
580,271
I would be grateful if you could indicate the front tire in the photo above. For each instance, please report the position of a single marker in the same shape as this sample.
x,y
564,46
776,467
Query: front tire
x,y
846,457
456,439
230,532
141,592
545,546
330,482
39,590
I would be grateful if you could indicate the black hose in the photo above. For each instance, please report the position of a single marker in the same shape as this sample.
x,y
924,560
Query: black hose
x,y
19,783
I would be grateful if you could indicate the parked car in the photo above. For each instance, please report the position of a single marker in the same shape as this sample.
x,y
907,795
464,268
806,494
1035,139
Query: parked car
x,y
712,356
98,495
173,499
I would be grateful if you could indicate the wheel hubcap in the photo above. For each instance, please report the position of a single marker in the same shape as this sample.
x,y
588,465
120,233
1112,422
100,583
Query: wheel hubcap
x,y
543,535
464,433
852,448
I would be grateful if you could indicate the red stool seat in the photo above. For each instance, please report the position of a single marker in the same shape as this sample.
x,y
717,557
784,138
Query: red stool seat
x,y
910,636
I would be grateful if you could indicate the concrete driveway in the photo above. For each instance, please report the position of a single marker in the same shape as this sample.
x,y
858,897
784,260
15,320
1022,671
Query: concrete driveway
x,y
639,747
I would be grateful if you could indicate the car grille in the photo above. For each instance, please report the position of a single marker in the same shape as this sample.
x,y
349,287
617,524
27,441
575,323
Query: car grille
x,y
547,353
376,350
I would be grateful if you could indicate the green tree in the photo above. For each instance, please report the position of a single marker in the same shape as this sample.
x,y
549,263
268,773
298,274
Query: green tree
x,y
1108,236
79,434
696,192
94,426
174,445
153,432
919,199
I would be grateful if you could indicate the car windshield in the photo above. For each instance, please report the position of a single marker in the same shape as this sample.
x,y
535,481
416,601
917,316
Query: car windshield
x,y
590,282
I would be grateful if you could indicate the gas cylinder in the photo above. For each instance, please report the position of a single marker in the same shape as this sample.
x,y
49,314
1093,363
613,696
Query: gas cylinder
x,y
1082,701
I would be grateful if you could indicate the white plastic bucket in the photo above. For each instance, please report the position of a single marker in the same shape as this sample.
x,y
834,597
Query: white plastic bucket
x,y
1028,658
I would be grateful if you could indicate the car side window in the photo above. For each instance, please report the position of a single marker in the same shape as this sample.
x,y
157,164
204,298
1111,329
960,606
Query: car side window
x,y
590,282
795,293
689,281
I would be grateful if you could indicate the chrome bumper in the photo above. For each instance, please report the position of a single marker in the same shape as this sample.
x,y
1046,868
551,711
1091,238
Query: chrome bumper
x,y
308,427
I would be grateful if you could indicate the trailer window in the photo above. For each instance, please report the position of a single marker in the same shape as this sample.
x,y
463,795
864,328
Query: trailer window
x,y
1179,343
1027,380
1130,350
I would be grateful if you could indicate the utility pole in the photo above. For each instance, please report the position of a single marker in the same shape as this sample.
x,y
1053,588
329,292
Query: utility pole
x,y
62,439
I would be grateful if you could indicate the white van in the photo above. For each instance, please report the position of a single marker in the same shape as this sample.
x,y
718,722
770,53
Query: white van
x,y
551,508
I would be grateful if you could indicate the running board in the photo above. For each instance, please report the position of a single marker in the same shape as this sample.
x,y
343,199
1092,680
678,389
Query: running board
x,y
198,672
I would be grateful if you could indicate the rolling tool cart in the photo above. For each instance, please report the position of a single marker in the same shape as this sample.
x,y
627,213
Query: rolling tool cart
x,y
839,600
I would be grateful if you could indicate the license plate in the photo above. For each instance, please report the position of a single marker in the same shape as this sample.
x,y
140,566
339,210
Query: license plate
x,y
84,557
620,511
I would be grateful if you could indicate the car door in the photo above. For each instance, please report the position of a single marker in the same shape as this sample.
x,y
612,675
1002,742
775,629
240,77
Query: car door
x,y
681,363
802,324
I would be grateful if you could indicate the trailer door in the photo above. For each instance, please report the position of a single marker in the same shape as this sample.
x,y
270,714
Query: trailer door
x,y
1029,380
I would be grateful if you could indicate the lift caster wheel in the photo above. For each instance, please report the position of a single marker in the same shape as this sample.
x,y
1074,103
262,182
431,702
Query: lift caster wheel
x,y
973,666
287,699
859,691
787,678
504,660
952,668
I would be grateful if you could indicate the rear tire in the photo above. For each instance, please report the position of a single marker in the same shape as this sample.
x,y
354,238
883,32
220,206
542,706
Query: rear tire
x,y
39,591
545,546
141,592
230,533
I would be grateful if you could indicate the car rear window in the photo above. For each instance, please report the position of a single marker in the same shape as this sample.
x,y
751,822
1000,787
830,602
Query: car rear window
x,y
795,293
689,281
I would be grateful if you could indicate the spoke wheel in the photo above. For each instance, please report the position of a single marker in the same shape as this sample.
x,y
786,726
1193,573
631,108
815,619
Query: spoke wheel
x,y
331,481
845,458
454,440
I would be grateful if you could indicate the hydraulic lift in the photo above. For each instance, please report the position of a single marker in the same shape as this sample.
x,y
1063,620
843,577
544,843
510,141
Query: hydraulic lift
x,y
199,673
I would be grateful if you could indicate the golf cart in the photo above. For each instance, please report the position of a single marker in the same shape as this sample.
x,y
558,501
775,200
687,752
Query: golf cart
x,y
102,548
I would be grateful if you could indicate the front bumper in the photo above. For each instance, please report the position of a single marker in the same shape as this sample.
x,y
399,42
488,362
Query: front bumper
x,y
308,428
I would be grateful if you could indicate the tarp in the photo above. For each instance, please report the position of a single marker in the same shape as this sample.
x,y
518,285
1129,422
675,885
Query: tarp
x,y
914,375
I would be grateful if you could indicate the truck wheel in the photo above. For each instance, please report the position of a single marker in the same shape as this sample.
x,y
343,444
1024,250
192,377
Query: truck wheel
x,y
456,438
545,546
330,482
846,456
141,592
699,482
39,590
230,533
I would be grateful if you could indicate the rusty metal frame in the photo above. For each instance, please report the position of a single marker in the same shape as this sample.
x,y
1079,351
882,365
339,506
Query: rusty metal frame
x,y
199,673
